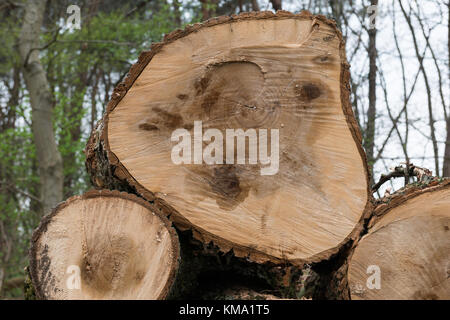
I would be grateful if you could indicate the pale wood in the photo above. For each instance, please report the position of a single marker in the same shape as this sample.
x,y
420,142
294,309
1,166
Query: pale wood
x,y
411,245
122,249
259,70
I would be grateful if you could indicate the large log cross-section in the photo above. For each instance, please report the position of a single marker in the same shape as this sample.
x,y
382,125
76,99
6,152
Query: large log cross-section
x,y
300,188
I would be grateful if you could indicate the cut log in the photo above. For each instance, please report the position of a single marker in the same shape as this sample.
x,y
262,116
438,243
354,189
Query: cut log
x,y
103,245
284,73
406,253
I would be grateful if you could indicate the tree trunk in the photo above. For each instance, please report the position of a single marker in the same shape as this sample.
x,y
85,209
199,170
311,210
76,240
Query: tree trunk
x,y
276,4
8,222
48,156
2,276
446,170
255,5
13,283
369,142
104,245
405,254
208,9
315,197
176,9
420,58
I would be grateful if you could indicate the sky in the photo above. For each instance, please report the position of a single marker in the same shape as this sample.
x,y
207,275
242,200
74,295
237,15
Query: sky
x,y
419,145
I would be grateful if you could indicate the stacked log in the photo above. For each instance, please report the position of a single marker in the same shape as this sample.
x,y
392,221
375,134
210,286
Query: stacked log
x,y
238,133
406,252
104,245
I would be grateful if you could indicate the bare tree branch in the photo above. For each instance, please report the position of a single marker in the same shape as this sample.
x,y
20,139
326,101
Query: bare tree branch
x,y
407,170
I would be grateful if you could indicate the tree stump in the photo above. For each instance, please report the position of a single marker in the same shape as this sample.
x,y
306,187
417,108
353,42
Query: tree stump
x,y
406,253
300,189
104,245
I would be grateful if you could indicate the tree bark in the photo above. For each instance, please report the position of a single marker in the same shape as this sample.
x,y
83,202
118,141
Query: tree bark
x,y
48,156
369,142
255,5
420,59
8,223
276,4
176,8
446,169
2,275
208,9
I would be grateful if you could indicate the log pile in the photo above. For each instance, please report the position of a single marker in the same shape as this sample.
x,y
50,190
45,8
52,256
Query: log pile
x,y
237,133
407,247
104,245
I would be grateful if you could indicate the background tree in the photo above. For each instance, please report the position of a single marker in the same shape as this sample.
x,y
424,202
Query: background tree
x,y
41,100
399,90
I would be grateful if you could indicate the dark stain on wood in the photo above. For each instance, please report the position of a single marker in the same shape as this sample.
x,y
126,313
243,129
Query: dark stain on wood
x,y
307,91
148,127
170,120
182,96
109,264
47,279
329,38
420,295
201,85
227,84
225,182
323,59
222,183
162,119
209,101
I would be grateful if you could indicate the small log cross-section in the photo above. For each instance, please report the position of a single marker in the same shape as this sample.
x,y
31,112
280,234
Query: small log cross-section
x,y
103,245
282,74
406,253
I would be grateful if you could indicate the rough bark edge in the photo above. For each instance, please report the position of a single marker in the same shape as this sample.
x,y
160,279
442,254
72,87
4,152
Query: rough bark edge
x,y
119,177
381,208
42,228
400,197
28,290
335,281
205,272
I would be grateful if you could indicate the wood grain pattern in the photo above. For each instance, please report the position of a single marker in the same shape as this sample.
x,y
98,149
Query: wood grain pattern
x,y
410,243
116,246
246,72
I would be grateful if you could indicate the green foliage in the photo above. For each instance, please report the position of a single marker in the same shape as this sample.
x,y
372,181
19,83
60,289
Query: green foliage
x,y
82,68
107,44
67,124
9,32
17,215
